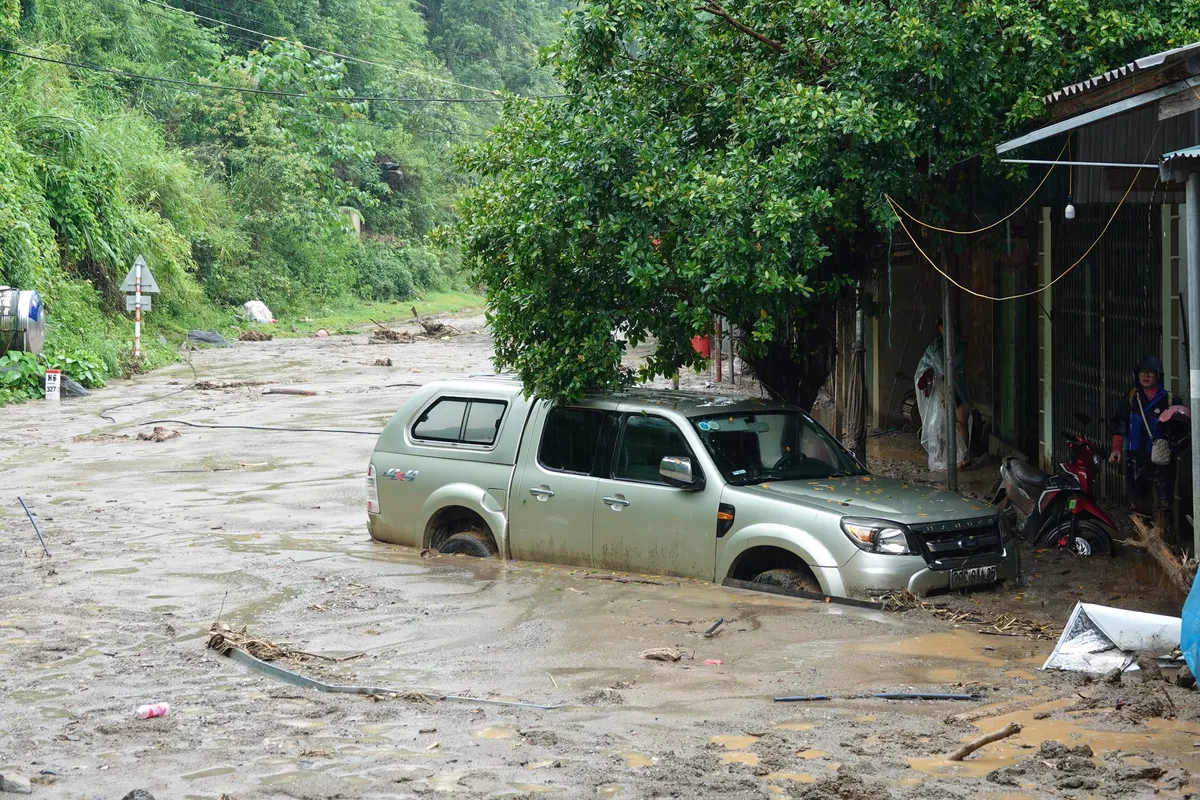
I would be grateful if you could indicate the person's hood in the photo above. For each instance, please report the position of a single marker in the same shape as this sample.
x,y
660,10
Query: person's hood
x,y
1149,363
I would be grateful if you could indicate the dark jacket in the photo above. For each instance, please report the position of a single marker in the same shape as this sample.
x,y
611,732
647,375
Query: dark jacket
x,y
1127,420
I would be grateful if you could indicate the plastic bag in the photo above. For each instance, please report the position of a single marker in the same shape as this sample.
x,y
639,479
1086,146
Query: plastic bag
x,y
257,311
932,408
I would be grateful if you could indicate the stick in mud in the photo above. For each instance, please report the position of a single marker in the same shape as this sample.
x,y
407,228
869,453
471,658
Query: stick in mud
x,y
36,529
708,634
1012,729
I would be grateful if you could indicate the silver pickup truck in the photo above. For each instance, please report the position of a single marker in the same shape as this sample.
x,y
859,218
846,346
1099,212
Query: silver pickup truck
x,y
667,482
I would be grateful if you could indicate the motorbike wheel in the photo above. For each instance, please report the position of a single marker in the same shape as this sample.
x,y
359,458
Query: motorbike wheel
x,y
1090,538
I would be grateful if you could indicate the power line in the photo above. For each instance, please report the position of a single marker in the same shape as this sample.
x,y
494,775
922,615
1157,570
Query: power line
x,y
321,50
360,31
247,90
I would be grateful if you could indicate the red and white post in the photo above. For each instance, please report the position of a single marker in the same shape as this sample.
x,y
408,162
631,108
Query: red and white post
x,y
137,311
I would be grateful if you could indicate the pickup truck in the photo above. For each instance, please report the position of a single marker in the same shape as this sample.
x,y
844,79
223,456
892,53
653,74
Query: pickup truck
x,y
668,482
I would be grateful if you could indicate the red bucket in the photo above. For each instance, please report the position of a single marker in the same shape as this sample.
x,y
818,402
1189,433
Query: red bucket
x,y
701,346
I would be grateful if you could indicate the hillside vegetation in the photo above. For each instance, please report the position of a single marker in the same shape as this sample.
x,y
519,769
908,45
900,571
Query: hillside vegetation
x,y
293,151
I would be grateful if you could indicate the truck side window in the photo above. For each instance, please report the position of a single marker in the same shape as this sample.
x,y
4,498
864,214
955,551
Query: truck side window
x,y
645,442
570,439
444,421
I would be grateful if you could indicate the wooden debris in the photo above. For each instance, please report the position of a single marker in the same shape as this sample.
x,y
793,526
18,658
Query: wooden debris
x,y
224,638
1000,625
1012,729
159,434
297,392
1180,574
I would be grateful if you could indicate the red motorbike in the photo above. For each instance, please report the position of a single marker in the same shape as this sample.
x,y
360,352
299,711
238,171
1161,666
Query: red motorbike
x,y
1058,510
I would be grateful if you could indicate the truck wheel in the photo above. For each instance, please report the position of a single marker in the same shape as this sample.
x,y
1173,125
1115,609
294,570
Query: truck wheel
x,y
787,579
471,543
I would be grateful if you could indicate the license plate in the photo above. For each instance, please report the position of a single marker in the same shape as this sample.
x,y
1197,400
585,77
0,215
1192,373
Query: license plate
x,y
971,577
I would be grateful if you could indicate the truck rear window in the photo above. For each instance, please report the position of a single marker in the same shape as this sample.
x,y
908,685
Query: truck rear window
x,y
461,421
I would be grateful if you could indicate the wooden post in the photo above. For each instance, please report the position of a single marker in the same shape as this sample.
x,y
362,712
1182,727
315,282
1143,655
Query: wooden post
x,y
717,349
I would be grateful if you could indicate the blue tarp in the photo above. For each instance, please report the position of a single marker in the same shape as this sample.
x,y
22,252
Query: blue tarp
x,y
1189,639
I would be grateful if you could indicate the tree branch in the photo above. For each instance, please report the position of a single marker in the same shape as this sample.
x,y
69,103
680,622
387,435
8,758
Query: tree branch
x,y
716,9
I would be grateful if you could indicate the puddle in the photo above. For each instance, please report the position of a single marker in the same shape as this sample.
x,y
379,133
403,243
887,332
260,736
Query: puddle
x,y
910,781
971,647
498,732
808,755
636,760
794,777
115,571
282,778
1159,736
541,764
608,791
212,772
867,718
306,724
798,726
749,759
1024,674
447,783
733,742
535,788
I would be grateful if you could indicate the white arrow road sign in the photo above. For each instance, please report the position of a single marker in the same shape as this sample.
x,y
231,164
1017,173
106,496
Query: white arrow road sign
x,y
130,283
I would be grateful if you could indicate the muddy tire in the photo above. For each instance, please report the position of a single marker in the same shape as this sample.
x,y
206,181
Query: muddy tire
x,y
1090,539
787,579
471,543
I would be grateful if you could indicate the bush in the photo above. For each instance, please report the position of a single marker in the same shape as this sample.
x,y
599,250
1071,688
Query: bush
x,y
383,272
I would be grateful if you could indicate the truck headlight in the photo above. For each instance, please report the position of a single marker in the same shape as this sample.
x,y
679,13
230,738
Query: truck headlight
x,y
877,536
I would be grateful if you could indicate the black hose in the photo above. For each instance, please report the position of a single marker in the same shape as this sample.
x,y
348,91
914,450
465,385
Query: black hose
x,y
260,427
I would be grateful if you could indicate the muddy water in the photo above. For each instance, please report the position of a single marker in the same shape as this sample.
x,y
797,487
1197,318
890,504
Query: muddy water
x,y
270,535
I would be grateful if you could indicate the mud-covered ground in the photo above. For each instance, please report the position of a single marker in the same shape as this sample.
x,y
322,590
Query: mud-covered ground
x,y
153,541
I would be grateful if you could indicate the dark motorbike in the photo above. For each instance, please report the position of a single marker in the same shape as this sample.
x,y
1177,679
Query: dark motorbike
x,y
1058,510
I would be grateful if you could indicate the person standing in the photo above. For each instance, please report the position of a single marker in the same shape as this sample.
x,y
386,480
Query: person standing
x,y
1141,443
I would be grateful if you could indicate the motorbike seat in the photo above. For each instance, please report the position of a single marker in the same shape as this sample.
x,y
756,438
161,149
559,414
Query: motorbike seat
x,y
1027,474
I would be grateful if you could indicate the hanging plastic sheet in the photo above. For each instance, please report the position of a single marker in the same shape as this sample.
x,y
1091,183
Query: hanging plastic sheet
x,y
931,403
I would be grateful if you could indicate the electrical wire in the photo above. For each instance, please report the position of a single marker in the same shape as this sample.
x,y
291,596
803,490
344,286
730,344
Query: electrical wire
x,y
247,90
310,48
1064,273
998,222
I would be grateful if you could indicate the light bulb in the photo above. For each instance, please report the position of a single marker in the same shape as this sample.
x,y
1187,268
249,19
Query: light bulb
x,y
1069,213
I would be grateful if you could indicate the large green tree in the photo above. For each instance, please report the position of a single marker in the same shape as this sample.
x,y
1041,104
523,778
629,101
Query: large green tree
x,y
732,160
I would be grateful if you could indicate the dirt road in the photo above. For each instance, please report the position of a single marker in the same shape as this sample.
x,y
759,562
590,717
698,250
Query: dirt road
x,y
152,541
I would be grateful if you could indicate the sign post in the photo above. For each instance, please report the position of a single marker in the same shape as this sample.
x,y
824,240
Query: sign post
x,y
53,385
141,282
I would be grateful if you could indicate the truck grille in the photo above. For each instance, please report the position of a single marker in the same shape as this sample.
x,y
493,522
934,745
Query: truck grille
x,y
951,542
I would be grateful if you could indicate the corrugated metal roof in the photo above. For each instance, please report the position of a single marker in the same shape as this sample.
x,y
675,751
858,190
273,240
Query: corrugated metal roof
x,y
1187,152
1176,165
1148,62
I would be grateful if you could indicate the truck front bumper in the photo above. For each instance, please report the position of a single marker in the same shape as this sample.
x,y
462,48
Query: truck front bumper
x,y
867,574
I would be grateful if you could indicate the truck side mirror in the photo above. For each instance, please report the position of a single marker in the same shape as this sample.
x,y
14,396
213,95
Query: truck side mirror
x,y
677,471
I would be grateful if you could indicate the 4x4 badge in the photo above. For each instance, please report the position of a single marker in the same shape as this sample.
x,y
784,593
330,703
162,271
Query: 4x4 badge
x,y
402,474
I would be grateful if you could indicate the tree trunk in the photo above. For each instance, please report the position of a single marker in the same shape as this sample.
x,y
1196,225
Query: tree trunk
x,y
799,361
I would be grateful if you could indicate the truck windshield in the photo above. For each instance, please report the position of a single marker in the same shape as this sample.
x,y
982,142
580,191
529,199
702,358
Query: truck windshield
x,y
775,446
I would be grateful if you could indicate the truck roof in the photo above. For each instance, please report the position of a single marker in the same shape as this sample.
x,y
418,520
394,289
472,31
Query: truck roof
x,y
688,403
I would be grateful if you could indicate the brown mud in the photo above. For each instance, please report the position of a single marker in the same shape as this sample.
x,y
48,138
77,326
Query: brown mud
x,y
265,529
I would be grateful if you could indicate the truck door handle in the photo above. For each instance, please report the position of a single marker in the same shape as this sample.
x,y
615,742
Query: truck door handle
x,y
538,491
616,501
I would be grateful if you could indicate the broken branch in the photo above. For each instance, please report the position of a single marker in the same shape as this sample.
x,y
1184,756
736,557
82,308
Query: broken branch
x,y
970,747
718,11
